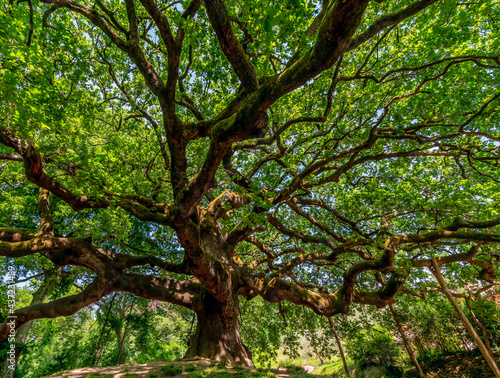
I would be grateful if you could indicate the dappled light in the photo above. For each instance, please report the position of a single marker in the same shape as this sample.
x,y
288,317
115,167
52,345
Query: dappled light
x,y
249,185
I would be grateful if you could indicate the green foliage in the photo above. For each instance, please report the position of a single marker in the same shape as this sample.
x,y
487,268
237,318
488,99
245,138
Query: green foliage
x,y
333,369
426,87
373,347
487,312
171,370
393,372
195,374
152,336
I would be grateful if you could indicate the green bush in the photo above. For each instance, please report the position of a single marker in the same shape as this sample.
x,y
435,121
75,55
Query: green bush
x,y
373,347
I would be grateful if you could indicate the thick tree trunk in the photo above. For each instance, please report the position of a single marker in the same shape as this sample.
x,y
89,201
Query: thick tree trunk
x,y
217,336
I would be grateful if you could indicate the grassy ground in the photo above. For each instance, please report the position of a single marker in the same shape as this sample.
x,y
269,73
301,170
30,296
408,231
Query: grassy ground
x,y
336,369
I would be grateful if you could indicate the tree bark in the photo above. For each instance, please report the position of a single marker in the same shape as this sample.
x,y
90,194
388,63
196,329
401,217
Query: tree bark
x,y
339,344
121,343
489,358
476,320
217,334
319,356
406,342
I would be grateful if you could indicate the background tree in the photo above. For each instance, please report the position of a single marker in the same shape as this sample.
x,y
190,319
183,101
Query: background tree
x,y
198,152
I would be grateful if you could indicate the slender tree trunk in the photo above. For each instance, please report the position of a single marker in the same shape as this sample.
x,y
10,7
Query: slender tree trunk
x,y
101,350
489,358
121,341
476,320
98,351
23,331
406,342
319,355
121,336
339,344
217,334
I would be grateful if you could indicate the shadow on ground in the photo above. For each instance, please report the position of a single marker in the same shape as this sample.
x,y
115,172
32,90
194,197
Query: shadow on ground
x,y
200,368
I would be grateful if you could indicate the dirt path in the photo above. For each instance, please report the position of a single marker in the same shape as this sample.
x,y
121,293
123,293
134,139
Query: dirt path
x,y
186,369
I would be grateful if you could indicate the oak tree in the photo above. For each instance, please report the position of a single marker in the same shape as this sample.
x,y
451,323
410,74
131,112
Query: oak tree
x,y
196,152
